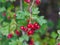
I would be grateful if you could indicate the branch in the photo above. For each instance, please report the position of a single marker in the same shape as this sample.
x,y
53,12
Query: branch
x,y
32,4
21,5
30,10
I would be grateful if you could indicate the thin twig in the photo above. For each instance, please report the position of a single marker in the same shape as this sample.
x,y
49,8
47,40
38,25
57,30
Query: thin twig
x,y
32,4
21,5
30,10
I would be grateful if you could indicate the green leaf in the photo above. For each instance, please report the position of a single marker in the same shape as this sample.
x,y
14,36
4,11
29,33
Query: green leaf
x,y
41,20
12,0
3,1
53,35
52,41
35,11
25,37
2,9
37,42
13,42
5,30
5,24
1,19
25,43
36,37
12,25
43,29
22,14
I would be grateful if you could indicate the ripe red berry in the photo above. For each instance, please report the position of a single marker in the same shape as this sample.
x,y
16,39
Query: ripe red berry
x,y
17,33
37,2
22,28
27,1
35,24
10,36
29,25
31,42
4,14
32,26
31,32
8,17
38,27
14,15
58,43
28,21
26,29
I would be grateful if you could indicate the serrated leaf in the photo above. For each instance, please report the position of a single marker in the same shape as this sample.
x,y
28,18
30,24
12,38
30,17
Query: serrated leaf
x,y
35,11
41,20
5,23
21,39
5,30
25,37
13,25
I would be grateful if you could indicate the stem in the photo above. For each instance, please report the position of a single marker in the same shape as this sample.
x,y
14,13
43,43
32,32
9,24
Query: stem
x,y
21,5
30,10
21,8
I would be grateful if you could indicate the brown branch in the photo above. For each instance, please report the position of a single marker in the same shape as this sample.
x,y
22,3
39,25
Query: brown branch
x,y
21,5
30,10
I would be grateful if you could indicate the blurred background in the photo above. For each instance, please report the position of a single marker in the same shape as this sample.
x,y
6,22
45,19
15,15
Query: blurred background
x,y
51,10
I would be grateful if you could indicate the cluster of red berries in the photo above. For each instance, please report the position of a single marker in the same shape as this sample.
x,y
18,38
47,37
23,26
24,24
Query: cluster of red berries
x,y
30,28
37,1
11,35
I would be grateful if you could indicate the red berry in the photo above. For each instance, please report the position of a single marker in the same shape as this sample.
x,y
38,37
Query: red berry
x,y
26,29
27,1
14,15
32,26
28,21
37,2
38,27
29,25
35,24
31,32
58,43
17,33
31,42
10,36
4,14
22,28
8,17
